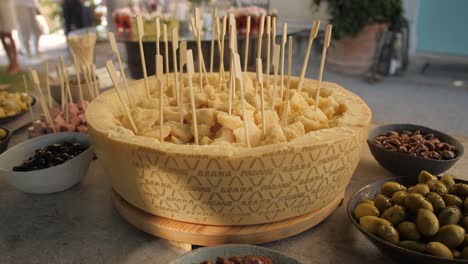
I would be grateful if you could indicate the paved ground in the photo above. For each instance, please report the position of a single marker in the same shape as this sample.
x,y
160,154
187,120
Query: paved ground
x,y
428,99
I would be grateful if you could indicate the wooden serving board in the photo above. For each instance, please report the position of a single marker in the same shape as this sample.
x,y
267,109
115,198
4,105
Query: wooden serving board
x,y
206,235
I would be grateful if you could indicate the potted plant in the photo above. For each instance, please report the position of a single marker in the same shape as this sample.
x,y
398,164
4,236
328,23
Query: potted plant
x,y
356,29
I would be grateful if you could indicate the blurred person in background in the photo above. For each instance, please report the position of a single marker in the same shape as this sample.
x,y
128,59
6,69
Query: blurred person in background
x,y
7,25
28,26
72,11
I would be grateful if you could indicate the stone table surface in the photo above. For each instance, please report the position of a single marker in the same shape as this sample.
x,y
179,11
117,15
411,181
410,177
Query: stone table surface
x,y
80,225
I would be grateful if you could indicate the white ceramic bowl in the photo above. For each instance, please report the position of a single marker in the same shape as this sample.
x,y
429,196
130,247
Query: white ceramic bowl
x,y
50,180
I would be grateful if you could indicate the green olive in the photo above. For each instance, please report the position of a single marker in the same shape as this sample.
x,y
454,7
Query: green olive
x,y
447,179
436,200
388,233
3,133
369,201
365,209
460,190
425,176
389,188
415,201
464,253
370,223
395,214
450,235
413,245
420,188
437,187
465,241
452,200
399,197
408,231
382,202
439,250
450,216
464,223
427,223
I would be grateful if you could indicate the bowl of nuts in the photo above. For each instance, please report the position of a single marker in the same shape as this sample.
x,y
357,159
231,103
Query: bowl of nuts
x,y
47,164
406,149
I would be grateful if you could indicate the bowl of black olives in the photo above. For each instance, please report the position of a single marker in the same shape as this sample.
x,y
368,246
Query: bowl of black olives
x,y
47,164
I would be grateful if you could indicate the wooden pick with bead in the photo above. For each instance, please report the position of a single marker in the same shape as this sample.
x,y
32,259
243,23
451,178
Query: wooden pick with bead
x,y
326,44
141,33
190,72
312,36
115,80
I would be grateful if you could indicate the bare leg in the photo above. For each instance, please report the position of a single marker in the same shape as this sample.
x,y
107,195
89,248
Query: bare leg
x,y
10,48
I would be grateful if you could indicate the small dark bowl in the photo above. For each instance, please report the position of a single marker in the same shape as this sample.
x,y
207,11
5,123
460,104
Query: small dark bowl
x,y
4,142
7,119
399,254
402,164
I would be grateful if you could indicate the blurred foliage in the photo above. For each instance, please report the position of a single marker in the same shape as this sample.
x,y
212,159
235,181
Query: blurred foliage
x,y
349,17
53,14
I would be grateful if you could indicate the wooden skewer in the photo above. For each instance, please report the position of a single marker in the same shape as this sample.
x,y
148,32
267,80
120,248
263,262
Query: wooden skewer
x,y
290,46
196,31
231,82
62,88
221,55
67,82
276,52
267,69
78,77
283,49
113,75
159,76
158,35
313,35
182,62
141,33
233,32
166,52
262,100
115,49
92,87
260,36
247,40
42,100
29,104
213,34
232,48
326,44
49,97
273,31
175,46
238,74
190,72
96,83
88,84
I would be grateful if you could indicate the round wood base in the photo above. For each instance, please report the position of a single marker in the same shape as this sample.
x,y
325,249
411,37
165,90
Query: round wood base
x,y
205,235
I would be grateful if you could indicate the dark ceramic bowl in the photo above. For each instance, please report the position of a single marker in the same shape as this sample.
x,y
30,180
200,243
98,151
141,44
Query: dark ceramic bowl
x,y
399,254
4,142
7,119
210,253
402,164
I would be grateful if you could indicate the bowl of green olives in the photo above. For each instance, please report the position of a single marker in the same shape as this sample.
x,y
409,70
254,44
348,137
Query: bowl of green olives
x,y
406,149
413,220
47,164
